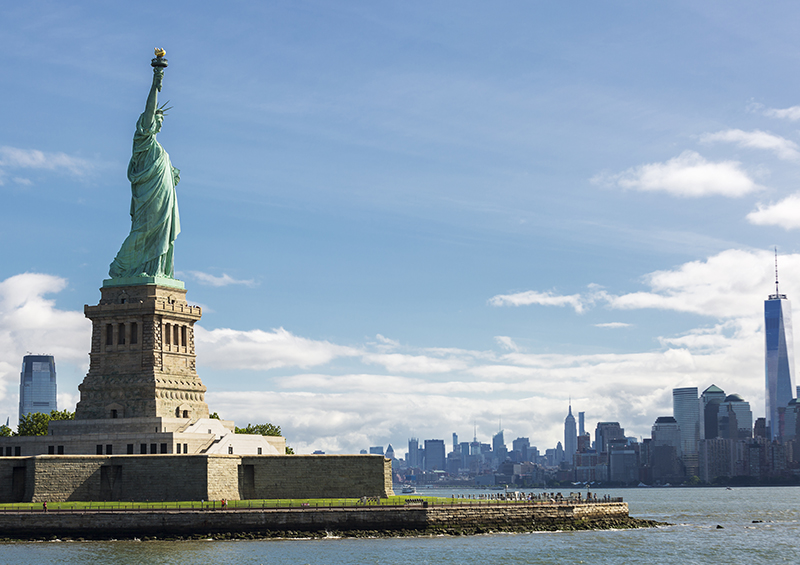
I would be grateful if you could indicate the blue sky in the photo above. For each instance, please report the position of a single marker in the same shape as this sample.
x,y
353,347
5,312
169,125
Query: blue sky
x,y
404,219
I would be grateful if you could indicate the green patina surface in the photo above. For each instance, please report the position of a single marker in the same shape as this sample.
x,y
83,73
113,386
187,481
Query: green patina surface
x,y
155,222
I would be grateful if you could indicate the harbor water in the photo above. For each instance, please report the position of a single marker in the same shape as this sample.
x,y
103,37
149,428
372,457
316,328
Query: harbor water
x,y
710,525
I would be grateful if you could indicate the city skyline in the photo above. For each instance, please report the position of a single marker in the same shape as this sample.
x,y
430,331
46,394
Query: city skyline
x,y
402,221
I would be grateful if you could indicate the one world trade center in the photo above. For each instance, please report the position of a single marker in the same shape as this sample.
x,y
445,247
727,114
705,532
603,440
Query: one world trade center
x,y
779,356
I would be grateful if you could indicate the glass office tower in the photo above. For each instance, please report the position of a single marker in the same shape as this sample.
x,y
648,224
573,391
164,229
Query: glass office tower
x,y
779,357
686,411
37,385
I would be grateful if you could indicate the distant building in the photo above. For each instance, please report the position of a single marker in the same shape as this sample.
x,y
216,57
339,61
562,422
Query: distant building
x,y
710,400
666,431
735,419
390,452
377,450
760,427
435,459
499,447
790,425
779,356
665,450
570,438
520,449
623,461
581,420
412,459
686,410
604,432
37,385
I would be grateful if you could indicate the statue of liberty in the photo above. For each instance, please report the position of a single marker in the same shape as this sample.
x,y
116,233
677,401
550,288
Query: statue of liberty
x,y
148,249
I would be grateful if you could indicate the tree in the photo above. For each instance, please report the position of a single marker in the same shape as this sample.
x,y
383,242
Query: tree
x,y
289,450
260,429
62,415
214,416
35,423
5,431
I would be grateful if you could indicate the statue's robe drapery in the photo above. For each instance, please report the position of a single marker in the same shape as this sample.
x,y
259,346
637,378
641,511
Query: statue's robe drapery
x,y
155,223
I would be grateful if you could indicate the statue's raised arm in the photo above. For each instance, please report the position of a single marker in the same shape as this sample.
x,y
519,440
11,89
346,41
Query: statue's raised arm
x,y
151,106
155,223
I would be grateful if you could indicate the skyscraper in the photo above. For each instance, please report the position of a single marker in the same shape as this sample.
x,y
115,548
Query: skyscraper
x,y
686,411
779,355
499,447
412,459
570,437
37,385
605,431
710,400
667,431
434,455
734,407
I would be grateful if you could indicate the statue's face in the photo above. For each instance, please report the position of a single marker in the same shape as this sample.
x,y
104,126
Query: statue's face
x,y
159,121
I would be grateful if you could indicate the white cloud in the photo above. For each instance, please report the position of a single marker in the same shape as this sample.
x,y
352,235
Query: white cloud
x,y
613,325
529,297
14,158
261,350
792,114
506,342
722,286
404,363
687,175
224,280
785,213
782,147
383,391
31,322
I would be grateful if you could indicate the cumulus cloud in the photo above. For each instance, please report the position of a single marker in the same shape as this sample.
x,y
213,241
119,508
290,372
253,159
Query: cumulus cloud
x,y
792,113
687,175
30,322
224,280
782,147
785,213
342,399
721,286
405,363
529,297
263,350
506,342
13,158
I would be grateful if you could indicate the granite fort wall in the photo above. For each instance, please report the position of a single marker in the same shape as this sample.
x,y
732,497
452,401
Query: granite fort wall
x,y
191,477
163,523
316,476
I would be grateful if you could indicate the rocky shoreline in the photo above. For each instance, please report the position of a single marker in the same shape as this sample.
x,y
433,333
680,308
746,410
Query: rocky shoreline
x,y
267,534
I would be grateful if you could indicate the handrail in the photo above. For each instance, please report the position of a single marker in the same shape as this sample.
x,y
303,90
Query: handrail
x,y
254,506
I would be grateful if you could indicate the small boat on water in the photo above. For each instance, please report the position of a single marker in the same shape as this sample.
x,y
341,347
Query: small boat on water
x,y
408,489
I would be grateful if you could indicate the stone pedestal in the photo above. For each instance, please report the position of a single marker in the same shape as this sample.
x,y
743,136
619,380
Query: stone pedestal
x,y
142,360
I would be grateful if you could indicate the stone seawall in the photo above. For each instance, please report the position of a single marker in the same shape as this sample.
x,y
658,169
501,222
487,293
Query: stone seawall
x,y
272,522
